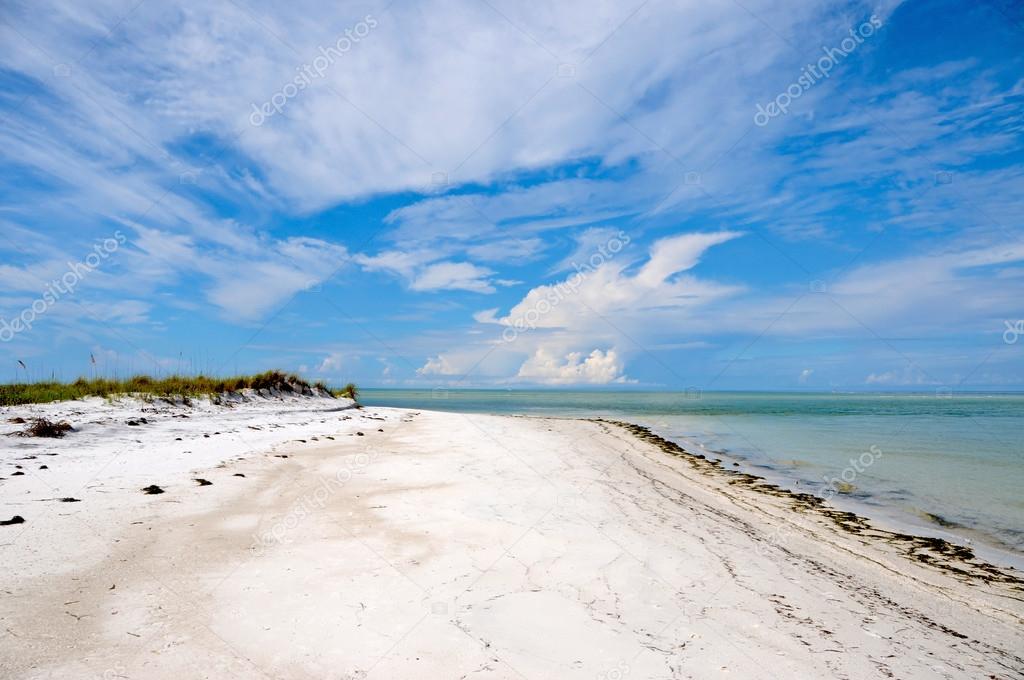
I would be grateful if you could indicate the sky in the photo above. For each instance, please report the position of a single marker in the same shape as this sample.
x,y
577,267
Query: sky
x,y
656,195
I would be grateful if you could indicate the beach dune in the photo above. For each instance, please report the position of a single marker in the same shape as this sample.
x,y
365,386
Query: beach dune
x,y
416,544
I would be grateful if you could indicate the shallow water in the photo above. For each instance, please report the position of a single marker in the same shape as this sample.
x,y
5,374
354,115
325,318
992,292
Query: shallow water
x,y
951,463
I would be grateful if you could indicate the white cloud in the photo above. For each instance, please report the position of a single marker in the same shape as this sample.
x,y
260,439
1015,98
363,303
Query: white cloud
x,y
588,310
422,272
909,375
243,283
587,300
402,263
486,316
453,276
508,250
481,107
587,243
597,368
926,292
332,363
439,365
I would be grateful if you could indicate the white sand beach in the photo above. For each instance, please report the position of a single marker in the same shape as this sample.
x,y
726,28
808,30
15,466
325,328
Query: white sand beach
x,y
331,542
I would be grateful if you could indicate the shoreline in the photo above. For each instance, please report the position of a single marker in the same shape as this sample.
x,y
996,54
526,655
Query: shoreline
x,y
987,544
969,476
439,545
936,551
892,519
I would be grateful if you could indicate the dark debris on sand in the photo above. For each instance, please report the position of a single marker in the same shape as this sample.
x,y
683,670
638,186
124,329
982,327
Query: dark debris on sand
x,y
17,519
152,489
959,561
203,482
41,427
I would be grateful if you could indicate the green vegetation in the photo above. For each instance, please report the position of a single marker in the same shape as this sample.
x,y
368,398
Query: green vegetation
x,y
175,385
349,391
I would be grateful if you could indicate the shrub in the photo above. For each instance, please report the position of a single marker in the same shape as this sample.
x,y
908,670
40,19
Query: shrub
x,y
41,427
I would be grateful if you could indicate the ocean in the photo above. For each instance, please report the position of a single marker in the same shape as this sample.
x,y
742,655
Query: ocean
x,y
940,464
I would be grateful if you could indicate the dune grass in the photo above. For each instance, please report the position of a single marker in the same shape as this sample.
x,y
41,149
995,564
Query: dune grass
x,y
175,385
349,391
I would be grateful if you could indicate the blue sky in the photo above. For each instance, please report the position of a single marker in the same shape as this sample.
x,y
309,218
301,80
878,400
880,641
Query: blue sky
x,y
496,193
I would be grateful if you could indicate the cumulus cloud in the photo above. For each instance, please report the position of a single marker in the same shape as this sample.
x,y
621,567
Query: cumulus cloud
x,y
439,365
332,363
591,295
553,321
597,368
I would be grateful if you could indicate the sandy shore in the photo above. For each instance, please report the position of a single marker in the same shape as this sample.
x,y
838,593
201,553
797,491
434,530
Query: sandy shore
x,y
456,546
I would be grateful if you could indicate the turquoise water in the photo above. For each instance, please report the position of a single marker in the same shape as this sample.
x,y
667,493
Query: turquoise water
x,y
955,464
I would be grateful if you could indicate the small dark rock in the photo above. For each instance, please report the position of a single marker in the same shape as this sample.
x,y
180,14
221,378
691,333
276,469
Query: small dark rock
x,y
203,482
17,519
69,499
19,473
238,474
152,489
360,434
44,467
